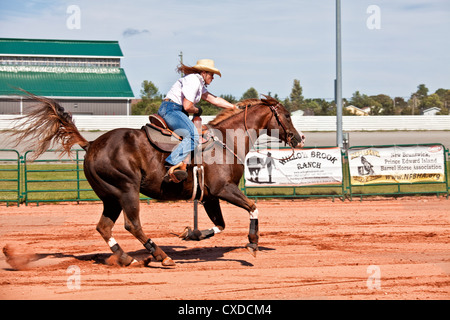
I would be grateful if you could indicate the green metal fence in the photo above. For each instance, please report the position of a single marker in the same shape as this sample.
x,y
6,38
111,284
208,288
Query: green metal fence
x,y
50,179
47,179
10,176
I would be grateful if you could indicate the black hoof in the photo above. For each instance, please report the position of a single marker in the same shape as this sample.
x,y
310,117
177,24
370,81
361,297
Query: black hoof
x,y
189,234
252,248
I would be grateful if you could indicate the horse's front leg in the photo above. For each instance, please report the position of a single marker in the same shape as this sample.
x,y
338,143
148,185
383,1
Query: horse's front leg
x,y
233,194
212,208
253,234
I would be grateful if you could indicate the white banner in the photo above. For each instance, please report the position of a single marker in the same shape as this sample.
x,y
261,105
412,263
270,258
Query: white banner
x,y
284,167
398,164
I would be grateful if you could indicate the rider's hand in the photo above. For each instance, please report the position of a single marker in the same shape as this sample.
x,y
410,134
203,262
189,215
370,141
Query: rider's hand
x,y
199,112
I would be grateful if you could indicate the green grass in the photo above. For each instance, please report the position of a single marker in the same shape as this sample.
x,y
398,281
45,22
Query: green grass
x,y
47,182
63,182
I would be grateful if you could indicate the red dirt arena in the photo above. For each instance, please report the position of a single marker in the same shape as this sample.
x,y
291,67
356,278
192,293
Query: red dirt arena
x,y
380,248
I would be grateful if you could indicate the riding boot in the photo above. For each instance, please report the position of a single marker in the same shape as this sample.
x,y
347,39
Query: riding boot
x,y
176,173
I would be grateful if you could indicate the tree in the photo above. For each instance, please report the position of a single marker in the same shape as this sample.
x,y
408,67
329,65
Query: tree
x,y
362,100
432,100
399,105
319,107
150,99
297,100
250,94
149,90
359,100
422,91
387,105
444,95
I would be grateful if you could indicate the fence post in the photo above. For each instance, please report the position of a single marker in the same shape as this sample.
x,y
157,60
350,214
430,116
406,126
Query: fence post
x,y
446,165
78,177
10,180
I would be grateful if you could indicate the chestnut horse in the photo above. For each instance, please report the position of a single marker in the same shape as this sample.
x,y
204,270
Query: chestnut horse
x,y
122,163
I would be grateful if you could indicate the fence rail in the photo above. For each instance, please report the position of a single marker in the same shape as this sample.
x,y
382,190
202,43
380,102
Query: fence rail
x,y
306,123
66,178
59,180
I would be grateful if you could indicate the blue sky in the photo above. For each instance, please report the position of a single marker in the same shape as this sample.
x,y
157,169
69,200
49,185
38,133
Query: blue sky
x,y
258,43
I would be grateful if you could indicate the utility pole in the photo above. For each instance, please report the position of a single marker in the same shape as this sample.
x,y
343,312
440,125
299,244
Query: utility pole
x,y
181,61
338,87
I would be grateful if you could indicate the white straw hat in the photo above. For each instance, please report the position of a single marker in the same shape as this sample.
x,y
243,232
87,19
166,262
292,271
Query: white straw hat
x,y
207,65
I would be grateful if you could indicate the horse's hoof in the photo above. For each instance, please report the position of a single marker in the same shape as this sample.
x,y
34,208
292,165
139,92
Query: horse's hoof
x,y
136,264
252,248
189,234
168,262
147,262
185,234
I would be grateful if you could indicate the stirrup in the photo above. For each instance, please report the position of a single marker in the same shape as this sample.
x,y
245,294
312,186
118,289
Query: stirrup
x,y
175,174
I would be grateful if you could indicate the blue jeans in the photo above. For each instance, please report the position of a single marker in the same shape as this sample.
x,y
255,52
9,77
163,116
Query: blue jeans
x,y
178,121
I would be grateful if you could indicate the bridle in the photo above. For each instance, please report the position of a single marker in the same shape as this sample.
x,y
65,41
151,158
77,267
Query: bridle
x,y
289,136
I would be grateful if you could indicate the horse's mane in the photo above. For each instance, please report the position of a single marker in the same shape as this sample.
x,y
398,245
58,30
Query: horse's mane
x,y
228,113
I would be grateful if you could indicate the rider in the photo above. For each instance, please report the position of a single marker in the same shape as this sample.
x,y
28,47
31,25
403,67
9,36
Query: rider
x,y
176,106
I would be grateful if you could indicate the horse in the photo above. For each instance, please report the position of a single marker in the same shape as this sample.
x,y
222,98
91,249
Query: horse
x,y
254,165
122,163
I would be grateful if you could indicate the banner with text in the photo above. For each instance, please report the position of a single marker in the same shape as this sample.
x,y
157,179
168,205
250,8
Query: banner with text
x,y
284,167
397,164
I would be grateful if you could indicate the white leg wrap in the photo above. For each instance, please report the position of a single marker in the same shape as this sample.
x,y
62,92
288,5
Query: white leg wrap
x,y
112,242
254,214
216,230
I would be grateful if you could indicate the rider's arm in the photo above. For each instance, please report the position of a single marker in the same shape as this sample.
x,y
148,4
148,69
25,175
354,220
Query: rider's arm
x,y
189,106
217,101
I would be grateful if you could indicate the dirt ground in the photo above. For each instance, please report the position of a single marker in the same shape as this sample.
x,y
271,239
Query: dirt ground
x,y
309,249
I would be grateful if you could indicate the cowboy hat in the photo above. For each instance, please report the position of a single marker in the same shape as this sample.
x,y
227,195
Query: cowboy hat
x,y
207,65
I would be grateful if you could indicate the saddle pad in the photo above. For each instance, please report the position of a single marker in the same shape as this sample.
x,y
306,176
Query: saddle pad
x,y
163,142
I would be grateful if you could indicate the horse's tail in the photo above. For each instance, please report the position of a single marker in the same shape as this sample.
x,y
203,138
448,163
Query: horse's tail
x,y
45,125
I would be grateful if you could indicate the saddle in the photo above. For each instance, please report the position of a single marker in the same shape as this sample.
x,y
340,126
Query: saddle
x,y
164,139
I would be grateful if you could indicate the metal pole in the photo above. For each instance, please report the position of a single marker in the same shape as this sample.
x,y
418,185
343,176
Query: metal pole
x,y
195,214
338,94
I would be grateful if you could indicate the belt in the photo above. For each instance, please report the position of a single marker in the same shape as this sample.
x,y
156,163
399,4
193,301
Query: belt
x,y
182,108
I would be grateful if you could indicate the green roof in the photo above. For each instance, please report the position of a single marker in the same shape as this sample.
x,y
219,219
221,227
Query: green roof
x,y
41,47
66,84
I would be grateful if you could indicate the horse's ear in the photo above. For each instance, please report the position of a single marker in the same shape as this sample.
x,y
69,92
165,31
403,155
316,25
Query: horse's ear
x,y
269,100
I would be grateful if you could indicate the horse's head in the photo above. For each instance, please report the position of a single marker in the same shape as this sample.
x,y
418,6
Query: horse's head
x,y
281,121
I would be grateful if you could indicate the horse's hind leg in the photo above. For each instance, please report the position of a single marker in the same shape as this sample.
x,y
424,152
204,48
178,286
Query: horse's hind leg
x,y
111,211
130,204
